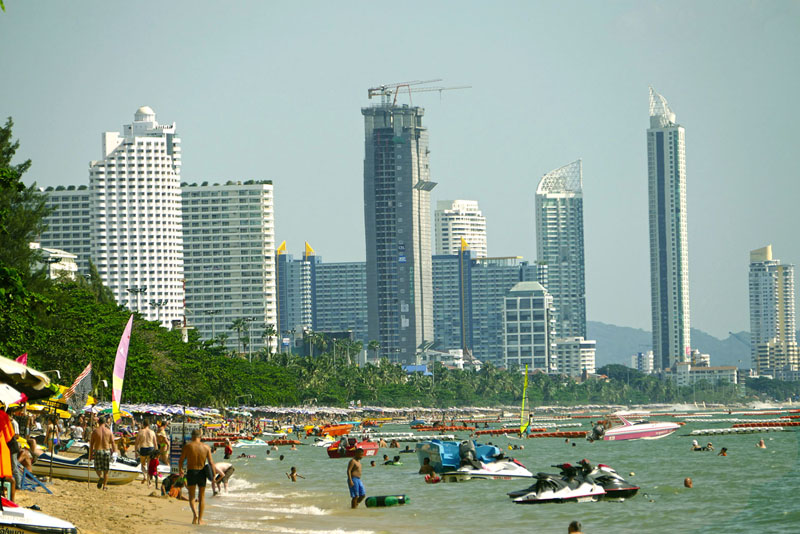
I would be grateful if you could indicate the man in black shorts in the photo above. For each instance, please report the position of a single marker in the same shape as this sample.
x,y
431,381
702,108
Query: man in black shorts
x,y
196,454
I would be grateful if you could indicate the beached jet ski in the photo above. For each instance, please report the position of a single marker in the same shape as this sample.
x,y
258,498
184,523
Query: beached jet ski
x,y
567,487
14,518
457,462
614,485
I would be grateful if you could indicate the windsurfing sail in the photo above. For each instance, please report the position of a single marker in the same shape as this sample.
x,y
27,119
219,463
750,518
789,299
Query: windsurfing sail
x,y
119,370
523,422
78,393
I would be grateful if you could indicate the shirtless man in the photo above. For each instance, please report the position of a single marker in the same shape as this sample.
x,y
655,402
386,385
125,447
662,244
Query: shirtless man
x,y
145,445
196,455
357,491
222,474
101,445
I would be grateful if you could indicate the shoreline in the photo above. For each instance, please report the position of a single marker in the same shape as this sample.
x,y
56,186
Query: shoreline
x,y
129,508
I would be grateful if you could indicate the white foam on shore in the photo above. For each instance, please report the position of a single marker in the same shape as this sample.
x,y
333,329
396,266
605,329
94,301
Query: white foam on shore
x,y
288,530
257,495
239,484
299,510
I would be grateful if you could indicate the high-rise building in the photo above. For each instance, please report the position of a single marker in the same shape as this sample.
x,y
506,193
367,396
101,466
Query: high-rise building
x,y
529,328
456,220
643,362
773,342
574,355
229,258
340,302
669,244
136,226
468,298
397,226
69,223
559,245
295,290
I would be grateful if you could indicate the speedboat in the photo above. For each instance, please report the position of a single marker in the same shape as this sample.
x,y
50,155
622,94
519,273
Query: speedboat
x,y
632,430
616,487
324,442
569,486
347,447
78,468
458,462
15,518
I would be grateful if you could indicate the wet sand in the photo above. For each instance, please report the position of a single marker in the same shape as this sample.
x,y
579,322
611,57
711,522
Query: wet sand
x,y
131,508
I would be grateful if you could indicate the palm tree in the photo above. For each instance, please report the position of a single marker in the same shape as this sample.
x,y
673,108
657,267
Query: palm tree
x,y
240,326
374,346
268,334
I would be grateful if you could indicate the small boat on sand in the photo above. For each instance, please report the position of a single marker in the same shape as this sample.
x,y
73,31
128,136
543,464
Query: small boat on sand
x,y
78,468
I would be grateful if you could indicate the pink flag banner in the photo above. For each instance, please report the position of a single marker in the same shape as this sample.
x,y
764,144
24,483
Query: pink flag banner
x,y
23,359
119,370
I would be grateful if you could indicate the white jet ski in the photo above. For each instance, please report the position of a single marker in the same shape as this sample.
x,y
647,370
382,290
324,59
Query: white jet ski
x,y
559,489
16,519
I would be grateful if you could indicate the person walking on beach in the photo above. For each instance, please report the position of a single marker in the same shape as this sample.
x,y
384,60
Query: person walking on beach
x,y
163,443
357,491
145,445
196,454
101,445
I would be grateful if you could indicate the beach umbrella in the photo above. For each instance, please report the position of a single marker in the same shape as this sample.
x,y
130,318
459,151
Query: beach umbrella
x,y
32,383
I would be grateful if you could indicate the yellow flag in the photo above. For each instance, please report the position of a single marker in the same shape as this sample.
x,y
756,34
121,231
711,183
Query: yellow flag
x,y
464,244
281,248
309,250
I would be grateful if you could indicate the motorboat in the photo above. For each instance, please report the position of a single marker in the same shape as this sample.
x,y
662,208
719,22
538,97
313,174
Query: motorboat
x,y
628,430
15,518
569,486
330,430
347,447
324,442
467,460
78,468
616,487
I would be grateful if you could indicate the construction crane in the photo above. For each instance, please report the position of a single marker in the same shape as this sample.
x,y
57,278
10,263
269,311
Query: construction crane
x,y
390,91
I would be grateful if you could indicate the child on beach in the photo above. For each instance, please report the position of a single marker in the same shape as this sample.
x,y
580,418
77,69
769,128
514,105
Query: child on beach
x,y
152,470
293,474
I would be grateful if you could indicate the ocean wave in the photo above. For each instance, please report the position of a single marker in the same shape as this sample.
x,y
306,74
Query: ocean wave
x,y
289,530
297,509
255,495
238,484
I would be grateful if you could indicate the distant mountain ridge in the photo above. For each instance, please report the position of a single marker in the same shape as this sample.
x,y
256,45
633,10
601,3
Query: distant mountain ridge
x,y
616,344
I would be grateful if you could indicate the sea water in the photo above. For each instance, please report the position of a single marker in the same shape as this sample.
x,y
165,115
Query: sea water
x,y
750,490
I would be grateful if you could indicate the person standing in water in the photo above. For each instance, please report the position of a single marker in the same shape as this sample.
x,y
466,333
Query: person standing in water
x,y
357,491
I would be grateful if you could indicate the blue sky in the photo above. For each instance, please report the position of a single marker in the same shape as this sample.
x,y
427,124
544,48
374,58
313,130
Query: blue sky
x,y
273,90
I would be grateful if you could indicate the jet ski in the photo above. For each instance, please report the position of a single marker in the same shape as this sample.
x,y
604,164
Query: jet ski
x,y
614,485
569,486
458,462
14,518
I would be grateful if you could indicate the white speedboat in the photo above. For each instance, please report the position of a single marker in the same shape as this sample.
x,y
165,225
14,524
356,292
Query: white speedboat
x,y
78,468
505,469
14,518
632,430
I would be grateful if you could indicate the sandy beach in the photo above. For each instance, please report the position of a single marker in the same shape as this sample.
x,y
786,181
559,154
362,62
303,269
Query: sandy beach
x,y
132,508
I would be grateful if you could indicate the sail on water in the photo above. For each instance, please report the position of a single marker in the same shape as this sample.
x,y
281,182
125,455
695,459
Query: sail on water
x,y
119,370
523,421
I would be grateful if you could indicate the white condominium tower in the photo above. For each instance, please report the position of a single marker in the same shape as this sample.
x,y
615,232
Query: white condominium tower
x,y
136,234
773,343
669,245
229,249
559,245
457,219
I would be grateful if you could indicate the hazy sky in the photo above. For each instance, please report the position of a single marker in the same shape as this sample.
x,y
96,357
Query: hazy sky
x,y
273,90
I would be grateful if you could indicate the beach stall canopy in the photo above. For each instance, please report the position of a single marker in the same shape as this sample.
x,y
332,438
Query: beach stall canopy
x,y
32,383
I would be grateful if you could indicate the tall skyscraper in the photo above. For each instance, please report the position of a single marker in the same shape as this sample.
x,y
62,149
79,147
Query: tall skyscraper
x,y
136,227
295,290
229,250
398,231
773,342
559,245
456,220
340,298
669,244
528,328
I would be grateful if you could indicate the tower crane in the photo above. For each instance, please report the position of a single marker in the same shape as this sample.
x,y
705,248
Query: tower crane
x,y
390,91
